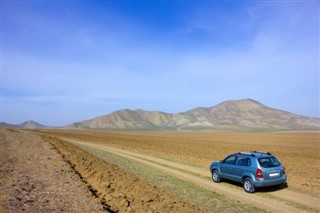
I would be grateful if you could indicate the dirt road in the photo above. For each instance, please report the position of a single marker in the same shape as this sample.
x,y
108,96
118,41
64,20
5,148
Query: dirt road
x,y
46,174
118,190
276,201
298,151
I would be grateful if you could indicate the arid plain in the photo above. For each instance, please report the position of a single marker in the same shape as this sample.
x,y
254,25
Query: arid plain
x,y
178,163
298,151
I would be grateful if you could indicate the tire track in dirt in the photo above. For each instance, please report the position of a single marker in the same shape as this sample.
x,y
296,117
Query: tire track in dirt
x,y
117,190
282,203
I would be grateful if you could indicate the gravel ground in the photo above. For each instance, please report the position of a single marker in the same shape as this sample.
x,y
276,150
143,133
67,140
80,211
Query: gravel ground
x,y
35,178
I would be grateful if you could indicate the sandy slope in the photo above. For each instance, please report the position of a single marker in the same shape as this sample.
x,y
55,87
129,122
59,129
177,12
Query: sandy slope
x,y
277,201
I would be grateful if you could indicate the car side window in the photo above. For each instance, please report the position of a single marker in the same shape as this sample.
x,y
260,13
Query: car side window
x,y
243,161
230,160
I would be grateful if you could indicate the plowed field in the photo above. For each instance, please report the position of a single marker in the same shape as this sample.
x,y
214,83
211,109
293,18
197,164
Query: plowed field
x,y
175,166
35,178
297,151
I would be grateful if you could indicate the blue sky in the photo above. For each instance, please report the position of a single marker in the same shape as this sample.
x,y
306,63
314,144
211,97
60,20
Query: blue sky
x,y
66,61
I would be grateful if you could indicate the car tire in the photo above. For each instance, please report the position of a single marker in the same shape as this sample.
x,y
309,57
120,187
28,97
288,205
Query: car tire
x,y
215,176
248,185
282,185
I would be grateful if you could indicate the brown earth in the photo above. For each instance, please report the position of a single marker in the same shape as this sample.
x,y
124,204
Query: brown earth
x,y
185,155
35,178
298,151
118,190
172,151
290,201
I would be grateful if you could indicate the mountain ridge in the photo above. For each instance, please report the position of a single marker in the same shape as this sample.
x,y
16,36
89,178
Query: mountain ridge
x,y
27,125
244,114
31,125
239,115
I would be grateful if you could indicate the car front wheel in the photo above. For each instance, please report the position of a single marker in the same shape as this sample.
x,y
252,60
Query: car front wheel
x,y
248,185
215,176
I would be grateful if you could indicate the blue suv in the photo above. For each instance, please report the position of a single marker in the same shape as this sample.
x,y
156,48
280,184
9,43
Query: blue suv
x,y
252,169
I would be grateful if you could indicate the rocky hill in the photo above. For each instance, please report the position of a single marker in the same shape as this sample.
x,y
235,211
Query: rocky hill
x,y
27,125
32,125
243,114
6,125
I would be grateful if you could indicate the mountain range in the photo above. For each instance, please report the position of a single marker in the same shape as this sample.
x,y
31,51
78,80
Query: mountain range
x,y
27,125
245,114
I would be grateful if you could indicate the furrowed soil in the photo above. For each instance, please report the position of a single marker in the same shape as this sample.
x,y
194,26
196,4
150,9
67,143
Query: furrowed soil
x,y
177,163
47,174
117,189
298,151
35,178
187,155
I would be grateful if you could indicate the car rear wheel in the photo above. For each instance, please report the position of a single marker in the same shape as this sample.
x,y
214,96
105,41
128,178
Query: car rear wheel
x,y
248,185
215,176
282,185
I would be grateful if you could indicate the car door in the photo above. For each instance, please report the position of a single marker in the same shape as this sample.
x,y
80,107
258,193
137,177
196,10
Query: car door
x,y
241,166
227,166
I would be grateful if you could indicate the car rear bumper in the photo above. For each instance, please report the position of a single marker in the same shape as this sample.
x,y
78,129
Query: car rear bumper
x,y
261,182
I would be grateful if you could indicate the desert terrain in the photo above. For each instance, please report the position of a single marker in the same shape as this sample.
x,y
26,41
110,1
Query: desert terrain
x,y
35,178
173,168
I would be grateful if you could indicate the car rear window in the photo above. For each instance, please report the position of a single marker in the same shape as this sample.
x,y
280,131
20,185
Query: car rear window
x,y
268,162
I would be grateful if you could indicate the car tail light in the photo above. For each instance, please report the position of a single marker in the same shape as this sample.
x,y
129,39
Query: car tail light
x,y
284,170
259,173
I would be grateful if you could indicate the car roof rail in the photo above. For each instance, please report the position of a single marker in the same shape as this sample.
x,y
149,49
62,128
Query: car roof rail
x,y
262,152
246,153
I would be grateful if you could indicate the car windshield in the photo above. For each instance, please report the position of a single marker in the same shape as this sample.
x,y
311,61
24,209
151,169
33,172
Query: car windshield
x,y
268,162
